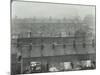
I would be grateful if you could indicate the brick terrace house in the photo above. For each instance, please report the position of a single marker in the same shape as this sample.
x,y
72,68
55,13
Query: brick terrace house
x,y
48,49
54,49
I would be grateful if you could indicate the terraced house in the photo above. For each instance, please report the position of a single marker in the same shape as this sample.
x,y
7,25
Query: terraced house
x,y
52,47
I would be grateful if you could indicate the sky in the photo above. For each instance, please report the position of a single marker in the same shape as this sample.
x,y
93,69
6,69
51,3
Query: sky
x,y
34,9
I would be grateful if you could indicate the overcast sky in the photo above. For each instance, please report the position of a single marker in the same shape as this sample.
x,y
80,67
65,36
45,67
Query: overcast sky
x,y
31,9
